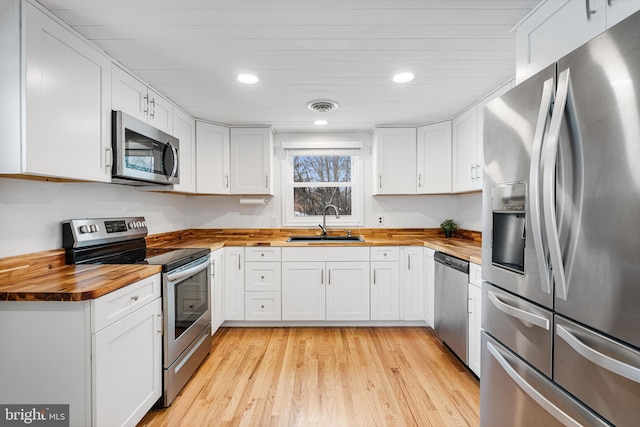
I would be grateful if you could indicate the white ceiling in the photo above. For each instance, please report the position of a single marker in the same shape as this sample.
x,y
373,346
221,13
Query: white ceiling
x,y
344,50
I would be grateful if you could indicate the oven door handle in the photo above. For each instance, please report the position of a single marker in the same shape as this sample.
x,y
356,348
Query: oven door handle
x,y
183,274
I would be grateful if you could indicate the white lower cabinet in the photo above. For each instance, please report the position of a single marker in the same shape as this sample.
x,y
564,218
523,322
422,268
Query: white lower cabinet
x,y
233,290
475,317
328,283
217,293
412,279
127,366
430,292
385,283
263,278
103,357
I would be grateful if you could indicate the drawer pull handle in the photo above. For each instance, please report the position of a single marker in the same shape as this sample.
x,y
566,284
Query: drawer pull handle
x,y
607,362
135,297
525,316
262,277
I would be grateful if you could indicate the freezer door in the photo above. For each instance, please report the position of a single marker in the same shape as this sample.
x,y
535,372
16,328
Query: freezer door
x,y
512,394
604,374
598,192
525,328
514,125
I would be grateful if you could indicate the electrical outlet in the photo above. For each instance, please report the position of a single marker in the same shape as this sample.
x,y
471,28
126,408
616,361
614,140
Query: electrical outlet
x,y
380,220
273,221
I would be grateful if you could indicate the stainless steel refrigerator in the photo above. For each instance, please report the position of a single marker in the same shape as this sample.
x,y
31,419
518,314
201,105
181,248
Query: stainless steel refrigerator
x,y
561,242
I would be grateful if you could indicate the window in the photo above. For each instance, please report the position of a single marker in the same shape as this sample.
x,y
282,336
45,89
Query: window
x,y
321,177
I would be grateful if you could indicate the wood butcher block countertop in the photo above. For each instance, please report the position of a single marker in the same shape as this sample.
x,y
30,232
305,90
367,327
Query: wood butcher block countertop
x,y
44,276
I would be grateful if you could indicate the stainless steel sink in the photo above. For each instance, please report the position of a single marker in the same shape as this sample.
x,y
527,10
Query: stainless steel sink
x,y
326,239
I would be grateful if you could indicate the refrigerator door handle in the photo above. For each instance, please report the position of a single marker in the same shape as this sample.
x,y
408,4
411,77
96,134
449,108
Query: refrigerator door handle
x,y
534,394
607,362
523,315
534,184
549,157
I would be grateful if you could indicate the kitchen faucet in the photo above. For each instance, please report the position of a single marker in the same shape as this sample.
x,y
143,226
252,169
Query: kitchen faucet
x,y
324,218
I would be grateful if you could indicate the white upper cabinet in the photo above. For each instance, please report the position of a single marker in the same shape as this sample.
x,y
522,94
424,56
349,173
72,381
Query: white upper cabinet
x,y
212,159
184,128
434,158
133,97
250,161
558,27
394,161
466,153
55,116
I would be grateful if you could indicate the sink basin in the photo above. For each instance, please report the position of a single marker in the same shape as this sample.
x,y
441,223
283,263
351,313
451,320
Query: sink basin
x,y
325,239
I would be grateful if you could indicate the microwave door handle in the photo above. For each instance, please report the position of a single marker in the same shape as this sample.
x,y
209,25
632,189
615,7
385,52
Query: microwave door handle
x,y
550,155
534,184
175,162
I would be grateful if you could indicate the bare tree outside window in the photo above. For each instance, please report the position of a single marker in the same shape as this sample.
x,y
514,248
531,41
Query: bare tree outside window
x,y
319,181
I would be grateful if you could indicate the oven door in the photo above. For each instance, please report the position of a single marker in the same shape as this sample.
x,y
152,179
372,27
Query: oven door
x,y
142,152
186,306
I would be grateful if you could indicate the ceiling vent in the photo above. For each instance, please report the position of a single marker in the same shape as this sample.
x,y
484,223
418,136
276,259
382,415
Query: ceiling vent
x,y
322,105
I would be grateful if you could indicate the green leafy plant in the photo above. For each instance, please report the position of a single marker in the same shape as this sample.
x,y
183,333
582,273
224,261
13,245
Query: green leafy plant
x,y
449,225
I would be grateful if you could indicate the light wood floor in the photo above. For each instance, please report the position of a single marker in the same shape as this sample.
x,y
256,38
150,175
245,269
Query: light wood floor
x,y
325,377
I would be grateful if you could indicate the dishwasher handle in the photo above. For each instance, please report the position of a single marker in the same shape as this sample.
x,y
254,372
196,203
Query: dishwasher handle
x,y
451,261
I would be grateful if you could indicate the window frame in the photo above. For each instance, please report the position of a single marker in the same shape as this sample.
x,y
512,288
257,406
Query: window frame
x,y
356,219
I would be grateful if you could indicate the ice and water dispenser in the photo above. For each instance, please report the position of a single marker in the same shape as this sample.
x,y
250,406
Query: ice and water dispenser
x,y
509,226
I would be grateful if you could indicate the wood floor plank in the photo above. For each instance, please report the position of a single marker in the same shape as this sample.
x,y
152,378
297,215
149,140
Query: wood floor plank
x,y
325,377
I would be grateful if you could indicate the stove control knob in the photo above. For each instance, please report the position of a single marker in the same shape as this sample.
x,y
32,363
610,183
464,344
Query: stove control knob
x,y
132,225
138,224
93,228
144,224
85,229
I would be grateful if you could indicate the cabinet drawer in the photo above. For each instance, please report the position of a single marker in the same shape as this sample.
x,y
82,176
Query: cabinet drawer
x,y
475,274
385,253
117,304
263,254
263,306
520,325
263,276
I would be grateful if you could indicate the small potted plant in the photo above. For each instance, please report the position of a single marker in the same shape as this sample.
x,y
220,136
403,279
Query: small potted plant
x,y
448,226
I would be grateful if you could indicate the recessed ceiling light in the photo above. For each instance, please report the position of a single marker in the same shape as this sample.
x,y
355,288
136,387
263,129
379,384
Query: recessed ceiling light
x,y
403,77
320,122
248,79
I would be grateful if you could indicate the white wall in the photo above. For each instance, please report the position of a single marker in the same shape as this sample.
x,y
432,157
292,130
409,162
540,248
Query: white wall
x,y
31,211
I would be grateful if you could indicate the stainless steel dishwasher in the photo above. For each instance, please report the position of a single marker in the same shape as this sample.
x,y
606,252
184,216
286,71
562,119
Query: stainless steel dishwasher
x,y
451,315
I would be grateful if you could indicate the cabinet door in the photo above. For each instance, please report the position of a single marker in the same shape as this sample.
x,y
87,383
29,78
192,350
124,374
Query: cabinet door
x,y
385,290
127,367
128,94
394,159
234,284
68,114
347,291
212,158
250,159
475,320
160,112
465,173
413,283
430,293
553,30
434,158
184,128
618,10
303,291
217,293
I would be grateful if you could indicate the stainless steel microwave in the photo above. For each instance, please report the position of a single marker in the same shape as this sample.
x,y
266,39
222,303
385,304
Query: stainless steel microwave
x,y
142,154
